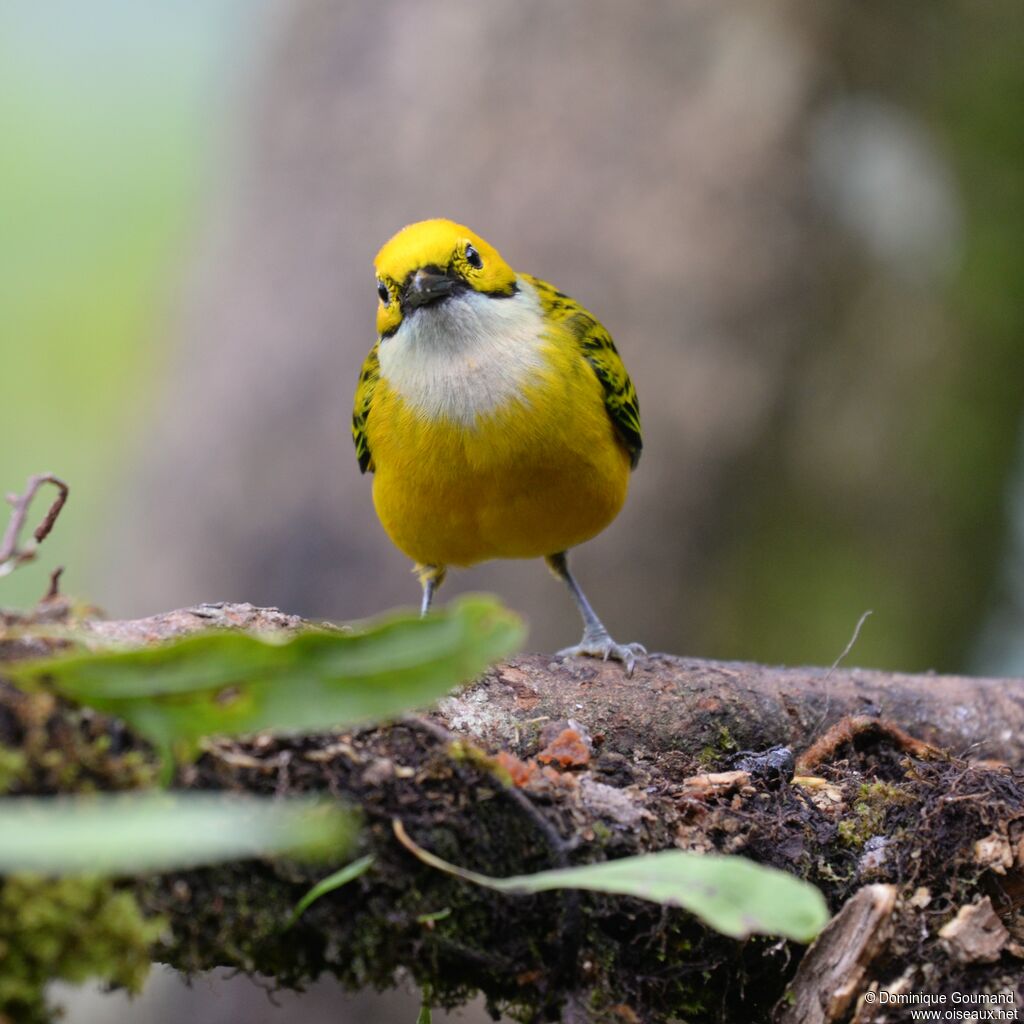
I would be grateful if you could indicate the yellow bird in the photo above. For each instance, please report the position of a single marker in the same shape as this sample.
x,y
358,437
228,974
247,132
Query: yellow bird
x,y
495,413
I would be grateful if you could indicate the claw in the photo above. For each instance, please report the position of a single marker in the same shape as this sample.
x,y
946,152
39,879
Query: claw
x,y
604,647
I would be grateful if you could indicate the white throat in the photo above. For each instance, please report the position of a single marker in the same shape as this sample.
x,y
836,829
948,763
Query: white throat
x,y
466,356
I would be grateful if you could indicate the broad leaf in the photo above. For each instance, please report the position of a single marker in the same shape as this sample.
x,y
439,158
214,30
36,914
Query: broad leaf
x,y
225,683
131,834
733,895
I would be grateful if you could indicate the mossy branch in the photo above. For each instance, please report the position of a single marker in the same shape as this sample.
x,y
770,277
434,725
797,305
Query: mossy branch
x,y
540,763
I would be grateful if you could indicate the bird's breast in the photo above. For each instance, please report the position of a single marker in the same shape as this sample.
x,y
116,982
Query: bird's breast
x,y
465,358
501,449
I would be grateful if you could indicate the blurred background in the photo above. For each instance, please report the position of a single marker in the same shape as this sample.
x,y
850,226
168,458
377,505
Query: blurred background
x,y
800,221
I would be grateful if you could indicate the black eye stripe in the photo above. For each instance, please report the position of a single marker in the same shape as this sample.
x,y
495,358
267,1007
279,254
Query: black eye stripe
x,y
473,257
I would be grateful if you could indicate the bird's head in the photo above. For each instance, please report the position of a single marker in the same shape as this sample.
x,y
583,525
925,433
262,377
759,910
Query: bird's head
x,y
434,262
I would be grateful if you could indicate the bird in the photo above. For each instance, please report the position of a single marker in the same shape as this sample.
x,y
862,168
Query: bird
x,y
496,415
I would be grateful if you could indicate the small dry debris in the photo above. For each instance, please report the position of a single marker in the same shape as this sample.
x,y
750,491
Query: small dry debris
x,y
693,839
379,771
331,751
975,935
624,1013
994,853
715,783
233,757
873,859
617,805
921,898
825,795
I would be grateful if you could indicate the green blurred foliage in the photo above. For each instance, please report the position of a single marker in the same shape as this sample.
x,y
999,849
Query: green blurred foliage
x,y
224,683
153,832
69,929
105,113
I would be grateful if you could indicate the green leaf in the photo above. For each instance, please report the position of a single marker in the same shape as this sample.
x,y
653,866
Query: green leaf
x,y
224,683
131,834
733,895
330,883
425,1016
434,915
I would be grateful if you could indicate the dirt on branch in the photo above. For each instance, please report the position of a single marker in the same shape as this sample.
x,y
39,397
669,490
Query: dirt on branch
x,y
867,794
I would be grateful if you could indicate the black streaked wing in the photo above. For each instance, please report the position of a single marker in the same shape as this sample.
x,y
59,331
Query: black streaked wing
x,y
365,389
597,347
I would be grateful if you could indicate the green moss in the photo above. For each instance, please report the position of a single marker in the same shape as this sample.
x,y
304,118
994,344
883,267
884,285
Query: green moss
x,y
464,752
66,749
874,800
826,872
723,745
68,929
726,744
12,767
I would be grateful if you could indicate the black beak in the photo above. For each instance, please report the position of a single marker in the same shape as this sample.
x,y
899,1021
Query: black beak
x,y
426,287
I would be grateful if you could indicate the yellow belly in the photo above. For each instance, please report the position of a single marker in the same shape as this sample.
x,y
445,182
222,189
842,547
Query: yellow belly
x,y
536,476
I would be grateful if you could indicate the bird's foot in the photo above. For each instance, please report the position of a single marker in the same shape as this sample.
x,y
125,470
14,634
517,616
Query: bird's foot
x,y
601,645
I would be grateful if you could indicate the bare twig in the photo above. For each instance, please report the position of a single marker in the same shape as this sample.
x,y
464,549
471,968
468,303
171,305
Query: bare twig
x,y
11,555
835,664
53,591
849,647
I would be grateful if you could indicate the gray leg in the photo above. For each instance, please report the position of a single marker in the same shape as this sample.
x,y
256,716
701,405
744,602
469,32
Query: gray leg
x,y
596,642
431,577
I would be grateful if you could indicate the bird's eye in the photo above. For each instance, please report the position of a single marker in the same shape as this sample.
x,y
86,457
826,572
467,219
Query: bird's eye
x,y
473,257
382,291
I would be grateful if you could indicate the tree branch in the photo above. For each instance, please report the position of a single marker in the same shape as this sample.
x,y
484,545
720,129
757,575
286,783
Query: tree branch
x,y
543,762
686,705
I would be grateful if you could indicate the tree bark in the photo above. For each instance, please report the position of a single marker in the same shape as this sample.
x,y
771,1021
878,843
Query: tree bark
x,y
674,704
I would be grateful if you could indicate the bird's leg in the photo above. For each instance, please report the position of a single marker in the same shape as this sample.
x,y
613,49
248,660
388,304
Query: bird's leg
x,y
596,642
431,577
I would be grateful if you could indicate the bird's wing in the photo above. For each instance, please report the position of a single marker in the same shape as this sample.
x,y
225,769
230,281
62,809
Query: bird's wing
x,y
596,346
368,377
